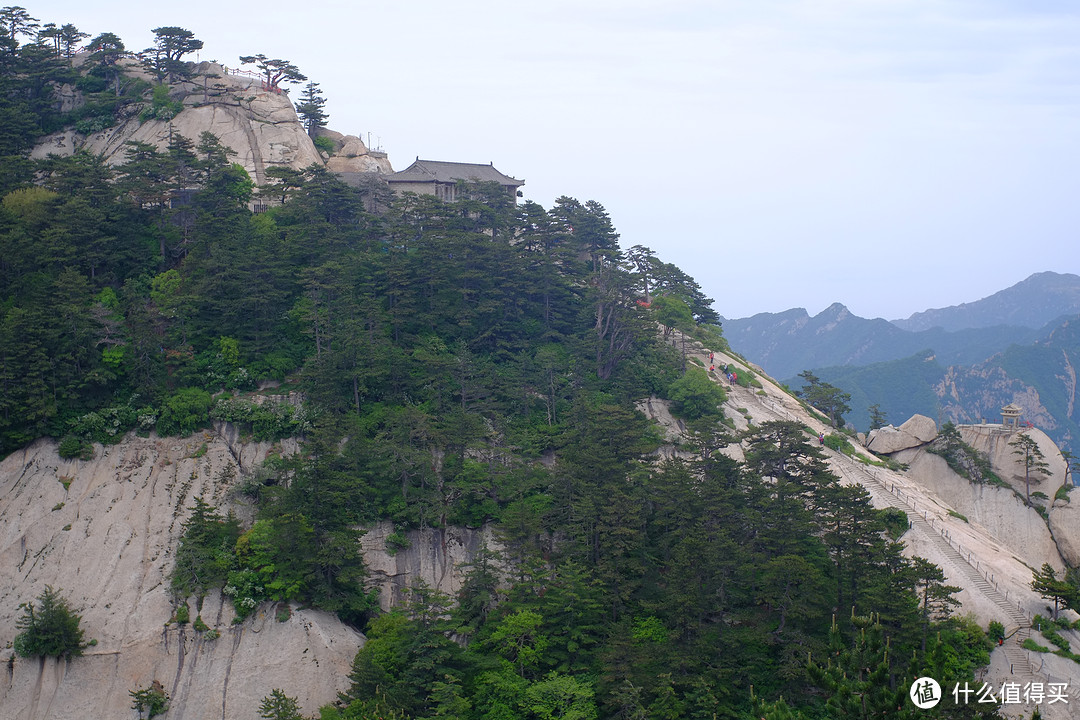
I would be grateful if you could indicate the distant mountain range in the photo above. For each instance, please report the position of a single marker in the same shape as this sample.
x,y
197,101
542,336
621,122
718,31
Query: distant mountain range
x,y
961,363
1032,303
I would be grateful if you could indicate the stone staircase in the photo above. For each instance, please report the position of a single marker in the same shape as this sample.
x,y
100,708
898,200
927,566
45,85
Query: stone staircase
x,y
1017,623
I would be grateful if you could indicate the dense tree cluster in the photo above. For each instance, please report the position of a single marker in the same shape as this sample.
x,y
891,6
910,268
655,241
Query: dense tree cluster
x,y
463,363
50,628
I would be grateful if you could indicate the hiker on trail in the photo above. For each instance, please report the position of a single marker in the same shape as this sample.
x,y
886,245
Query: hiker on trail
x,y
734,377
821,438
712,367
710,357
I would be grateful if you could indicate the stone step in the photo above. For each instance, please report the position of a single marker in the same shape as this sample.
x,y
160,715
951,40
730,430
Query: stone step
x,y
978,581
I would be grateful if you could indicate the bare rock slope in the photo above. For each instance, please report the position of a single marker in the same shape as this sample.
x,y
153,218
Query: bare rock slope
x,y
259,126
103,532
992,562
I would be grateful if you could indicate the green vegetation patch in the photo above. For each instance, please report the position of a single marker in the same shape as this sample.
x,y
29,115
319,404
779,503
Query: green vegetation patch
x,y
1030,644
49,627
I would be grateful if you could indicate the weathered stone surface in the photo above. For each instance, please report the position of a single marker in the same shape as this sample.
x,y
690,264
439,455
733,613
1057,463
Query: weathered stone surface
x,y
1065,524
106,541
659,411
921,428
993,441
889,439
1000,511
359,164
260,127
352,155
1064,519
918,430
433,556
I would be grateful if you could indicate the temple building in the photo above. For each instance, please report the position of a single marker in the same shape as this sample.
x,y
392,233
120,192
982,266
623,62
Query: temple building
x,y
434,177
1010,416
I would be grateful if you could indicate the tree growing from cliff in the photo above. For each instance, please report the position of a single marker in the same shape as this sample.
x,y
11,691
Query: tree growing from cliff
x,y
275,71
877,417
152,701
279,706
171,44
1045,582
695,396
51,628
1032,458
205,555
1071,463
827,398
310,108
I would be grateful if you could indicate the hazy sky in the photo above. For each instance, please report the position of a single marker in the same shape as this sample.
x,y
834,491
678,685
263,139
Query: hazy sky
x,y
893,155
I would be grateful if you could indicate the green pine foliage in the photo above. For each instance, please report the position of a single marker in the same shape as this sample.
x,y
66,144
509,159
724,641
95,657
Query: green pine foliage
x,y
279,706
150,701
50,628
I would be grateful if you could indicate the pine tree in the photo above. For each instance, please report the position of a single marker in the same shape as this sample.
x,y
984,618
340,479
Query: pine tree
x,y
50,629
311,109
1062,592
279,706
1032,458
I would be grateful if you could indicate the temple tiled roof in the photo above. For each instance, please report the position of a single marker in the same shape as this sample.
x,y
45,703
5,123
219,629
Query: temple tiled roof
x,y
451,172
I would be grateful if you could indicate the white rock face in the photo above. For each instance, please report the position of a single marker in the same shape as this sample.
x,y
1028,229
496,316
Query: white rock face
x,y
993,440
1065,525
921,428
351,155
889,439
106,542
435,557
918,430
659,412
1064,519
1000,511
260,127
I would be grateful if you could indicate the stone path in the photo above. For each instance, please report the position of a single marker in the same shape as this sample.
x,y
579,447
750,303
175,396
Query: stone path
x,y
1018,625
775,404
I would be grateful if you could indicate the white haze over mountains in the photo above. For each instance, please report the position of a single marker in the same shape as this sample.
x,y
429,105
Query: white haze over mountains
x,y
893,155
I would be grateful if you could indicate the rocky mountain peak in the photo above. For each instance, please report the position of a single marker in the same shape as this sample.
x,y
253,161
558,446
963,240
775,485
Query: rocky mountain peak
x,y
259,126
1032,303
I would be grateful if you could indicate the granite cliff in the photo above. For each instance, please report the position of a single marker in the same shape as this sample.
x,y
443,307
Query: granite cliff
x,y
260,126
104,533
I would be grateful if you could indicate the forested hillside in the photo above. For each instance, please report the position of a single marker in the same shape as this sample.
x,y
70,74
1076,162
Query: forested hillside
x,y
460,364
